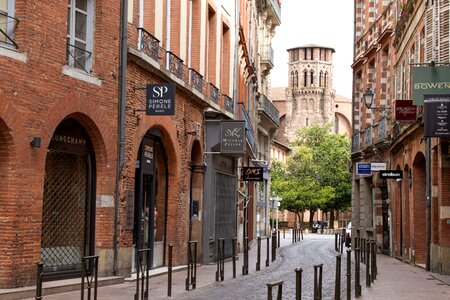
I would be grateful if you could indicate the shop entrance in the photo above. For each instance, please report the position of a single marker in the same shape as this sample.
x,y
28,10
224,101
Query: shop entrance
x,y
68,204
150,202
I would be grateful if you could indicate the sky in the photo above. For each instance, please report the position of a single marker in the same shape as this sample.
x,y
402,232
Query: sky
x,y
322,22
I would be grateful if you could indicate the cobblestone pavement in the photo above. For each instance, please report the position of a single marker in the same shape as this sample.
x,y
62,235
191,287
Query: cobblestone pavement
x,y
312,251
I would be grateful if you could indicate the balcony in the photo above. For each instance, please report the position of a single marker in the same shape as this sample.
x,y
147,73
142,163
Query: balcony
x,y
151,53
269,111
273,9
267,56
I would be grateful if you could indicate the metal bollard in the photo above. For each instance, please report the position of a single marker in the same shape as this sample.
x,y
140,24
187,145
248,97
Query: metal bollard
x,y
90,273
169,271
368,280
336,242
349,274
301,233
245,265
191,280
267,251
284,233
258,254
373,258
318,282
375,269
274,246
40,271
234,243
220,259
293,235
278,238
298,284
357,273
279,284
337,287
142,268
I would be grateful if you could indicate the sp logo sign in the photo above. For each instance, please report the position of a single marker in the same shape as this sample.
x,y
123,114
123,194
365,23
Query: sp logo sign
x,y
160,99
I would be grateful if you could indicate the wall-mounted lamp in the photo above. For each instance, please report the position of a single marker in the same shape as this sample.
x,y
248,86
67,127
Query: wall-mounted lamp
x,y
368,100
36,142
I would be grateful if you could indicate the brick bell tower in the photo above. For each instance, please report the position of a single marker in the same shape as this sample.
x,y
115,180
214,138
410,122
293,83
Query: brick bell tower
x,y
310,97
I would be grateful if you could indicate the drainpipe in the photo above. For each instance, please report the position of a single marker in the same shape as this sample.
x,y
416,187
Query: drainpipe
x,y
168,33
121,116
190,34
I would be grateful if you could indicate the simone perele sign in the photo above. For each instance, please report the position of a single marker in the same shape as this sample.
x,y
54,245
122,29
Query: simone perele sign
x,y
160,99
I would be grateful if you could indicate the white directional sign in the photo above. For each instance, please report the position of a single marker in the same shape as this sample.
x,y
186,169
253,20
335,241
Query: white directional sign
x,y
377,166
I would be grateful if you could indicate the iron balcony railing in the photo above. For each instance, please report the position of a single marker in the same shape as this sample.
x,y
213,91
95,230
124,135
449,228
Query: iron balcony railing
x,y
270,110
8,26
276,8
149,45
267,53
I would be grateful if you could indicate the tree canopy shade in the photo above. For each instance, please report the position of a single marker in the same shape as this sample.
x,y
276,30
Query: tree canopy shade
x,y
316,175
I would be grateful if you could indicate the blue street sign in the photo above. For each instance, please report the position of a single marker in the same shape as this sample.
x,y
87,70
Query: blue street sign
x,y
363,168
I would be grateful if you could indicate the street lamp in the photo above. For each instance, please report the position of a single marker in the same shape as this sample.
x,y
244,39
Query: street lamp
x,y
368,98
276,204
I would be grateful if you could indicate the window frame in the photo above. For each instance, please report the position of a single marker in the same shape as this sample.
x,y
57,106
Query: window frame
x,y
71,35
10,24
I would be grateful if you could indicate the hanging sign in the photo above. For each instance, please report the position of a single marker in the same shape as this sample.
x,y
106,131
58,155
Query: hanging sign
x,y
232,136
377,166
436,116
252,173
405,111
160,99
430,80
391,174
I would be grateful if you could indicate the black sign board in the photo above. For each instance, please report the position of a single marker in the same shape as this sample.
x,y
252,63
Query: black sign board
x,y
160,99
391,174
232,136
437,118
252,173
147,156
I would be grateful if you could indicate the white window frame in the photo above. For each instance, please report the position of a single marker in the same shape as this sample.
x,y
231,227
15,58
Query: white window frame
x,y
10,25
71,39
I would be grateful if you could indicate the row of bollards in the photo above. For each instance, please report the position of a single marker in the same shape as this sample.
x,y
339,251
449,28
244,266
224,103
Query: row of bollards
x,y
297,235
369,255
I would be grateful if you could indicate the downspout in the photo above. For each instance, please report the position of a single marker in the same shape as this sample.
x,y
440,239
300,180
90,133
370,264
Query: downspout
x,y
123,48
353,111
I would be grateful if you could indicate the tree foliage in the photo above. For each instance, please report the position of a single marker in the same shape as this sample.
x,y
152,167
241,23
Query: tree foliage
x,y
317,174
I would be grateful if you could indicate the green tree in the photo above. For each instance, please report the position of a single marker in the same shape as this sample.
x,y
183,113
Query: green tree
x,y
316,175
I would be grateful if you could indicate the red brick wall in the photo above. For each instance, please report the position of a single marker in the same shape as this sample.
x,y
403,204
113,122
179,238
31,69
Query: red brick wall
x,y
35,98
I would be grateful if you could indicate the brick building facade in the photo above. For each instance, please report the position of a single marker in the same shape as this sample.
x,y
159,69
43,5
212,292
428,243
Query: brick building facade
x,y
407,217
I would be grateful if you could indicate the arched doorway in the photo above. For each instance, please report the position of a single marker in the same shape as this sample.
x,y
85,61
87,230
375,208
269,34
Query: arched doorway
x,y
68,215
419,208
151,184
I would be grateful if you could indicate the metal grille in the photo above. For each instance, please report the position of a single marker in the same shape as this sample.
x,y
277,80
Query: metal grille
x,y
226,210
64,212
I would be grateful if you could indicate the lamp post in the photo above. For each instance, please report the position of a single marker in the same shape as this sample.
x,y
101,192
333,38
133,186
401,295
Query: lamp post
x,y
276,204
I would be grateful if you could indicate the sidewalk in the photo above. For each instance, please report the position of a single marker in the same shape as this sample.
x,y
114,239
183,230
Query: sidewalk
x,y
206,275
398,280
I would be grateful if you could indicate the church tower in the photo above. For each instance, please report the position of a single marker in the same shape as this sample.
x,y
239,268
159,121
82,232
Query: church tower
x,y
310,97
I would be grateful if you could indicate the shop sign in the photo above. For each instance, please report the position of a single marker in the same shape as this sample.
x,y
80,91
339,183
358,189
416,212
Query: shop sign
x,y
437,119
405,111
363,168
252,173
377,166
391,174
430,80
160,99
232,137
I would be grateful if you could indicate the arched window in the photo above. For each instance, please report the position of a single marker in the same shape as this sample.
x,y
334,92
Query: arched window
x,y
312,78
320,78
305,78
296,79
292,79
325,79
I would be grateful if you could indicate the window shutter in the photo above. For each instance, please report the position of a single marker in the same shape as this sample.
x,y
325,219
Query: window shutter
x,y
444,31
429,33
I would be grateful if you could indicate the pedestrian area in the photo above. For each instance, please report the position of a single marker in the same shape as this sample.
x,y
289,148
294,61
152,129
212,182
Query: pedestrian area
x,y
395,279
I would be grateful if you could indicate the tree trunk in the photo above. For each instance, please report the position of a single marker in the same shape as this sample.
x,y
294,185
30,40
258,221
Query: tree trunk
x,y
332,218
311,217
